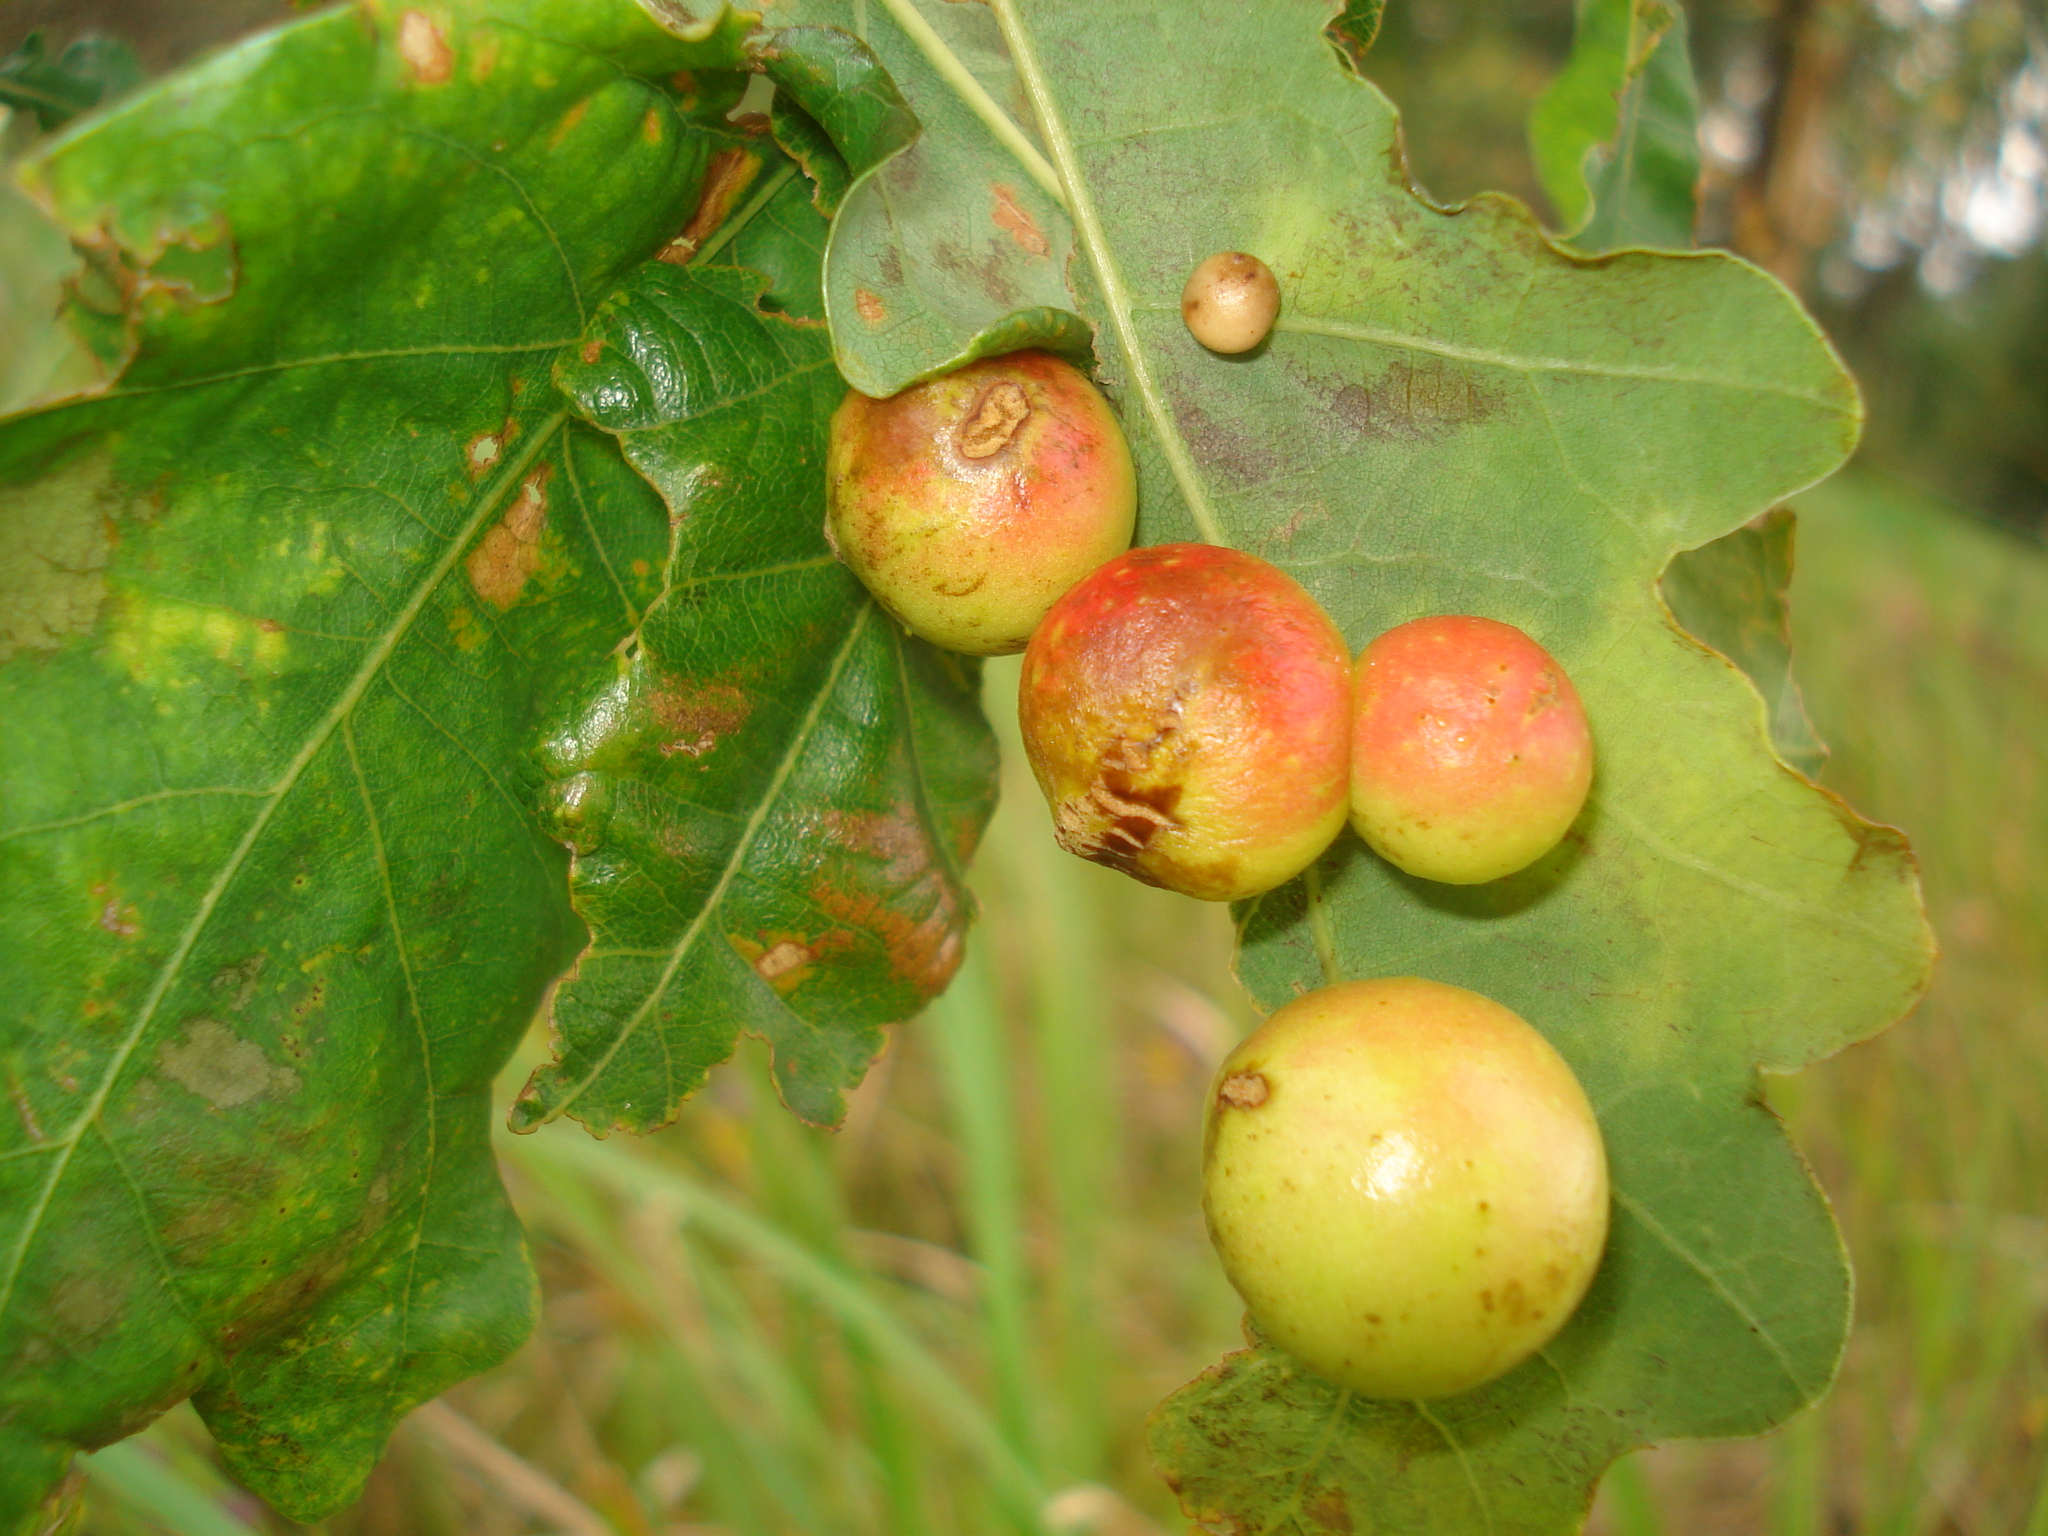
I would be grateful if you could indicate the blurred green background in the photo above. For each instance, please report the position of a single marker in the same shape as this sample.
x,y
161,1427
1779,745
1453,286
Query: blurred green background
x,y
952,1315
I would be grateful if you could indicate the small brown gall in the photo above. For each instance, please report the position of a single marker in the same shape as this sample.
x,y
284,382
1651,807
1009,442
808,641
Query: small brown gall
x,y
1230,302
968,504
1470,754
1186,710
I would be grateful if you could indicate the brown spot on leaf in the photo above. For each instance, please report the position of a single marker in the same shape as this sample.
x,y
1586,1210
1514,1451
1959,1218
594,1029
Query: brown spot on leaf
x,y
222,1068
1012,217
786,956
869,305
568,123
84,1304
484,451
510,552
1329,1511
650,126
990,272
590,350
695,717
729,174
1241,455
1414,402
893,885
56,537
428,59
787,960
27,1112
994,421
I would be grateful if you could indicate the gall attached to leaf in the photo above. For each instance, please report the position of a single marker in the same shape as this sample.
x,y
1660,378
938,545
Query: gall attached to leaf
x,y
968,504
1186,710
1470,753
1230,302
1406,1183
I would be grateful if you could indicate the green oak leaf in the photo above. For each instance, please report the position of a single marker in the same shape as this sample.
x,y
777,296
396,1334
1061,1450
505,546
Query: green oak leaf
x,y
1615,139
1353,31
836,110
956,246
1731,594
90,72
279,610
1616,136
774,800
1456,415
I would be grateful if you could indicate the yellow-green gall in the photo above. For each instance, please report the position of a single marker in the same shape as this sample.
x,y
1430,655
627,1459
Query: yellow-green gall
x,y
1406,1184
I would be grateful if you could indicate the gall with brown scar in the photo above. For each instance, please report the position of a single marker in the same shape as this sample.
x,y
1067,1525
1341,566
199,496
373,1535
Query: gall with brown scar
x,y
969,503
1186,710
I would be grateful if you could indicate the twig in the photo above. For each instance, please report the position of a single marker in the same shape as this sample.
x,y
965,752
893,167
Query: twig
x,y
513,1476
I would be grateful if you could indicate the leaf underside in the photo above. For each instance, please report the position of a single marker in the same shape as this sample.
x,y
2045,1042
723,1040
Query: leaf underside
x,y
1615,138
1455,415
431,527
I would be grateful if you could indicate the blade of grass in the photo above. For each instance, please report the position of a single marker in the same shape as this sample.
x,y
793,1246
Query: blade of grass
x,y
134,1477
845,1296
799,1457
741,1469
1799,1481
801,1191
1035,887
1922,640
1631,1499
2037,1519
511,1475
966,1025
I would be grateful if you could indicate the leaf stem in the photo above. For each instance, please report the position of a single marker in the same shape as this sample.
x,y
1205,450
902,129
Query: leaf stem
x,y
984,106
1088,223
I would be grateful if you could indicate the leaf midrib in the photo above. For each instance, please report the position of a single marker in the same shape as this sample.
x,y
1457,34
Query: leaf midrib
x,y
734,863
1080,199
973,95
488,504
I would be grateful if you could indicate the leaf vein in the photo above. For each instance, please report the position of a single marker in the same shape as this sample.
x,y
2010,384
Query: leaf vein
x,y
328,359
419,1024
1720,1290
734,862
1088,224
317,739
1464,1464
121,808
975,95
1339,330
